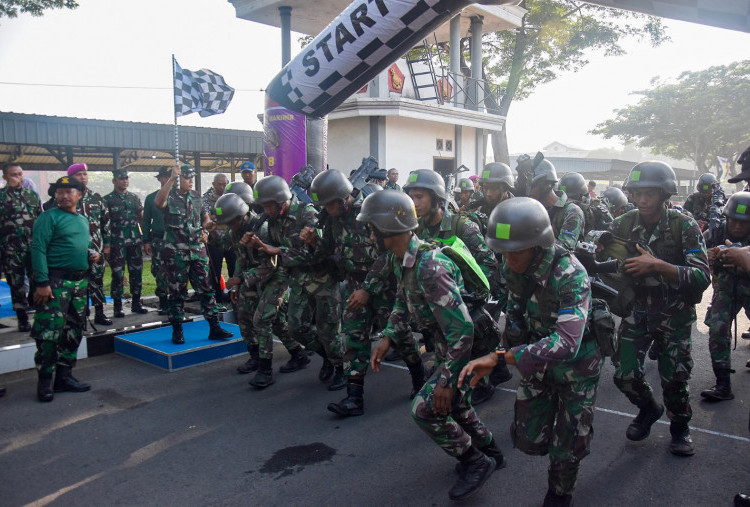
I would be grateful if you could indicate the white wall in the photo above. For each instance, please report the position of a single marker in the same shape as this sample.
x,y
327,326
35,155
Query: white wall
x,y
348,143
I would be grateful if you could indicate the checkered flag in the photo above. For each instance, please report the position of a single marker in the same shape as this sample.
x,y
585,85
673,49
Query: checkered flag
x,y
203,91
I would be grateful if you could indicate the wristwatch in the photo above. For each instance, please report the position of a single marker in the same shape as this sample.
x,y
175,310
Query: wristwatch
x,y
442,382
500,351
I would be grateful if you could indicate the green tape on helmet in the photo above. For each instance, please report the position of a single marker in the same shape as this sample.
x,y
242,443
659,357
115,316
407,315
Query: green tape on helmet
x,y
742,209
636,176
219,211
562,188
706,187
255,193
413,177
502,231
315,197
486,174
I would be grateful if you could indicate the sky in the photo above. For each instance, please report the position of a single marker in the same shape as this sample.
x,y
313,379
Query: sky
x,y
114,56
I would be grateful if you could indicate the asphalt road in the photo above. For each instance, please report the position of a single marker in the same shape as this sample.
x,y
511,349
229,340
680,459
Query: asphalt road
x,y
203,437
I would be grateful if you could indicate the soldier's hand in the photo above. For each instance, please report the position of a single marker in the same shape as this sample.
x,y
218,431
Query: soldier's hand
x,y
713,253
204,236
176,172
641,265
94,257
147,248
246,238
233,296
105,251
358,299
308,236
210,227
441,400
234,281
736,258
478,367
379,353
702,224
42,295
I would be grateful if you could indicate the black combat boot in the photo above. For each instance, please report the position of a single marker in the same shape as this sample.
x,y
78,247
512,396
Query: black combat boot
x,y
353,404
326,370
163,306
264,376
177,337
100,317
297,361
552,499
3,390
500,373
66,382
490,450
482,392
251,364
118,313
681,444
136,306
339,379
741,500
217,332
722,391
477,468
416,372
44,390
23,321
649,413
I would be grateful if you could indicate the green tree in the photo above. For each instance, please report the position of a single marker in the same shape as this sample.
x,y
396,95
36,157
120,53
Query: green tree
x,y
11,8
556,36
700,116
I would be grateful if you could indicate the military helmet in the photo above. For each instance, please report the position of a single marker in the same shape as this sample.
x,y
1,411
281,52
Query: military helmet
x,y
427,179
497,172
652,174
738,206
242,189
706,182
329,186
272,189
228,207
545,171
519,223
389,211
464,185
573,184
615,197
370,188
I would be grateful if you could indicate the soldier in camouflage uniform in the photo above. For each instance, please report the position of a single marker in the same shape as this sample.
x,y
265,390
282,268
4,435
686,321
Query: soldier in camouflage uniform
x,y
153,239
216,247
125,243
19,207
184,253
668,277
463,192
291,230
429,290
347,243
566,218
616,201
595,213
699,203
92,207
61,252
392,183
731,294
559,360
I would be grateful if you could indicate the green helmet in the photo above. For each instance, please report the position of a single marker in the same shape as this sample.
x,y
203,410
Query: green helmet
x,y
519,223
272,189
329,186
652,174
228,207
738,206
464,185
427,179
389,211
242,189
573,185
706,182
497,172
615,197
545,171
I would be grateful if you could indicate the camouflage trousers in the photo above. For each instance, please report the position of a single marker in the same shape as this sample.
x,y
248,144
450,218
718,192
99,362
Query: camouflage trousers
x,y
247,304
673,343
96,282
268,316
321,294
355,330
180,267
456,432
157,268
554,412
59,325
119,255
731,296
17,266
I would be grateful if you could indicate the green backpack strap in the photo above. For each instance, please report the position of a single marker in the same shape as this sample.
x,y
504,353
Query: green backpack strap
x,y
474,279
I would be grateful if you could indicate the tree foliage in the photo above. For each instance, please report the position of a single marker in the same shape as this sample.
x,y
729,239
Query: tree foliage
x,y
557,36
699,117
11,8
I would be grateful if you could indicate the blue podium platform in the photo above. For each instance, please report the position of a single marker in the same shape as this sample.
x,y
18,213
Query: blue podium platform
x,y
155,346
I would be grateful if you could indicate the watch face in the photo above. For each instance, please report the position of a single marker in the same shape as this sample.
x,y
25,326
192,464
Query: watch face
x,y
443,382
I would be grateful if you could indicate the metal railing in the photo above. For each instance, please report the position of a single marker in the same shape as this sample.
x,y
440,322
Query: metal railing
x,y
469,93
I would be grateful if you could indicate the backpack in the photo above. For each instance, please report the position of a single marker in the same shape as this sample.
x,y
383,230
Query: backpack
x,y
475,283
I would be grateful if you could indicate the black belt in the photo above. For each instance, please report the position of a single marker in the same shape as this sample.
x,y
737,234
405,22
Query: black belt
x,y
66,274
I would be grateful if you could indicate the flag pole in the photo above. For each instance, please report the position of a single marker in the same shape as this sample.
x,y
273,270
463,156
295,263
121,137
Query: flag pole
x,y
176,131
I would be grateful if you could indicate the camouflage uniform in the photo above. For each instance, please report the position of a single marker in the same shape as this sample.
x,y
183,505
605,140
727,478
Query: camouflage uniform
x,y
311,284
661,314
125,213
567,221
560,365
216,247
18,210
498,289
698,206
59,253
429,286
392,186
184,255
153,233
92,207
596,215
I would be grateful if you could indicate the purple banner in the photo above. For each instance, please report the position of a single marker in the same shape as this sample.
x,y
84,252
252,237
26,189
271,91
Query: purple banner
x,y
284,139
